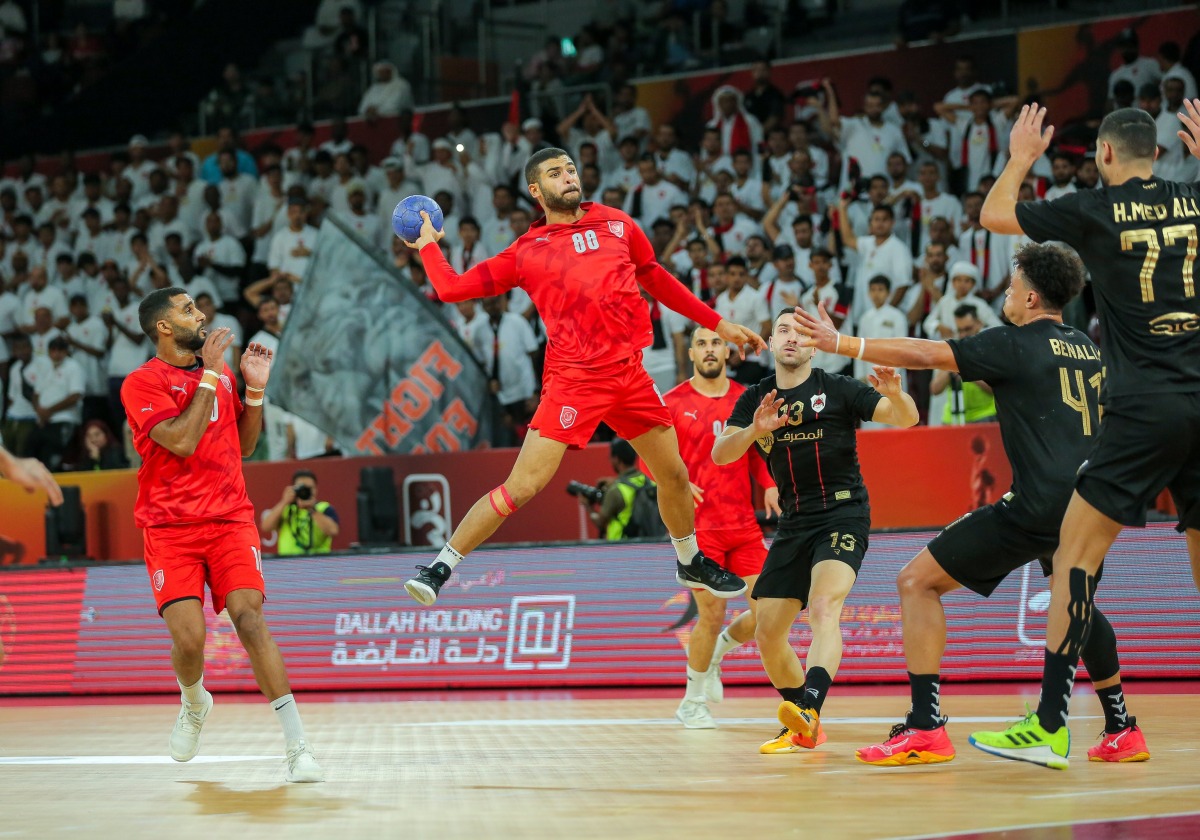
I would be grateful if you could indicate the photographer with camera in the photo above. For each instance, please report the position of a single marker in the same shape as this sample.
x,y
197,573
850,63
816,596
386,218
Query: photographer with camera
x,y
305,525
628,505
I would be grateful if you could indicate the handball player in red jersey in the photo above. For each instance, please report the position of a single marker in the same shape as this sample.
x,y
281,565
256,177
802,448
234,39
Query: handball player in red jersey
x,y
726,527
192,432
582,265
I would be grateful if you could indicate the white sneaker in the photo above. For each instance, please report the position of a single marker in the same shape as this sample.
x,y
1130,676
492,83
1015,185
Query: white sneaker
x,y
694,714
302,764
714,690
185,737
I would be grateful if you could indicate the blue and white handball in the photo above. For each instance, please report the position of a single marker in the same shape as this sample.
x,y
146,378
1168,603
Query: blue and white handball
x,y
406,218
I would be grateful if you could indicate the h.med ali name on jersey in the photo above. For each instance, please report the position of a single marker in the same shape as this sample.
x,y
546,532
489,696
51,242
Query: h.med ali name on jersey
x,y
1135,211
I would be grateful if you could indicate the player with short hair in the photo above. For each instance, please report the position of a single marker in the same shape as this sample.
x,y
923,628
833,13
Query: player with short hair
x,y
726,527
1045,375
192,431
1138,238
582,265
802,421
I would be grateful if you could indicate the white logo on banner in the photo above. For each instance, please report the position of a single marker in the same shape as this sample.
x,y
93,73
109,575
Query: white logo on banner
x,y
539,633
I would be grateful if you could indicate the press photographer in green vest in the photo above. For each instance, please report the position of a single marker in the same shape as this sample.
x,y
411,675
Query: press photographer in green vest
x,y
305,525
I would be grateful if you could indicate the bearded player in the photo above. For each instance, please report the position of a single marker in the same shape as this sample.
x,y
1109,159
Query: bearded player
x,y
582,265
726,527
198,525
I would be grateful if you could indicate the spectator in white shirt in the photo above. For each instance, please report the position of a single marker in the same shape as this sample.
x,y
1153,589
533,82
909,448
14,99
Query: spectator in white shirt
x,y
629,119
214,320
730,229
1062,174
963,279
785,288
1173,163
58,386
1135,68
628,174
292,247
268,215
88,337
388,95
979,146
238,191
396,187
20,418
674,163
880,320
741,304
934,204
504,343
880,252
42,331
41,294
1172,68
740,130
865,142
367,225
747,186
990,252
588,124
654,197
221,258
470,250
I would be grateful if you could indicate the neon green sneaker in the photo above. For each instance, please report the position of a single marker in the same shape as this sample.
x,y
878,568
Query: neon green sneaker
x,y
1026,740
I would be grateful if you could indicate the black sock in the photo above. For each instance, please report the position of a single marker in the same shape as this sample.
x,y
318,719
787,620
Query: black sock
x,y
792,695
1116,718
926,710
816,685
1058,678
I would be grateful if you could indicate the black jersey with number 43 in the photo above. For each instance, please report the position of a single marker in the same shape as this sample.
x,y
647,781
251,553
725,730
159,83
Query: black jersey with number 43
x,y
1046,379
813,458
1139,242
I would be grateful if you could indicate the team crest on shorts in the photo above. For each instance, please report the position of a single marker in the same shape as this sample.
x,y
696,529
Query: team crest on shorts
x,y
818,402
567,416
158,579
617,228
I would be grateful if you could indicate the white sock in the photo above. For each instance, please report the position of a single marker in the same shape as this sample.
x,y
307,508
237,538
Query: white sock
x,y
289,718
193,695
686,548
725,643
449,556
695,684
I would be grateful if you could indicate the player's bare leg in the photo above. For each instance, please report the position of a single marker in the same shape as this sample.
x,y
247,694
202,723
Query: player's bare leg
x,y
801,708
245,610
185,622
775,619
536,464
659,448
703,663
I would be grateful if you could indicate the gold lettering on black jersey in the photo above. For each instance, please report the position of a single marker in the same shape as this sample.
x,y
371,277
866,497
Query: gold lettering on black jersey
x,y
1175,323
795,413
800,437
1083,352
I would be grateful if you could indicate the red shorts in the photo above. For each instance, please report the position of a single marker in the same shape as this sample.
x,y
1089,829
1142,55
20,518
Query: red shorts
x,y
180,559
741,552
575,401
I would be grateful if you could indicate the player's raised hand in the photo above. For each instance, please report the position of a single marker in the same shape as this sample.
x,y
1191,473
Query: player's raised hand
x,y
741,337
771,502
256,366
1028,140
767,417
31,474
1190,117
213,351
428,234
886,381
818,332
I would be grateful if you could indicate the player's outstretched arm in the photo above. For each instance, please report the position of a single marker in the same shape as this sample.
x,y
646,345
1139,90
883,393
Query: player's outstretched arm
x,y
31,474
911,353
1190,117
256,370
493,276
896,408
182,434
734,441
1027,142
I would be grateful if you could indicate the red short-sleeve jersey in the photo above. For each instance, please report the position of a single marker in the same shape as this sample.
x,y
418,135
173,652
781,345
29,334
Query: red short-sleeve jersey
x,y
205,486
698,420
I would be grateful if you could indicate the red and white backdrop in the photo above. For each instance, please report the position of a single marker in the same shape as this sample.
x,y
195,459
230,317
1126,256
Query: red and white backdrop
x,y
579,615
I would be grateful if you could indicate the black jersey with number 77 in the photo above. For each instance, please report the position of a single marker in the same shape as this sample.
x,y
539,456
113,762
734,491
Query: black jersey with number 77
x,y
1139,242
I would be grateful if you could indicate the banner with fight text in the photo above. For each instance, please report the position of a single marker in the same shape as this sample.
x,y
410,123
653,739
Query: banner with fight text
x,y
369,359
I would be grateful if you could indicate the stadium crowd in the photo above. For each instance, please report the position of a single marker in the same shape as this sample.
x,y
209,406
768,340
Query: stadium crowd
x,y
868,208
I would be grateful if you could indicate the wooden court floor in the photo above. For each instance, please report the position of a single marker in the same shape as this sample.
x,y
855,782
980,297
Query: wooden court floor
x,y
555,766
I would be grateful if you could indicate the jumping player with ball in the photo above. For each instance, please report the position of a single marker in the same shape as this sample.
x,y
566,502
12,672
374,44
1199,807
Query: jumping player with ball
x,y
582,265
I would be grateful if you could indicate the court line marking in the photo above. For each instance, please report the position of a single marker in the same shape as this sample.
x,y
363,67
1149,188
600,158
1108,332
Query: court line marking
x,y
978,831
1122,791
672,722
78,760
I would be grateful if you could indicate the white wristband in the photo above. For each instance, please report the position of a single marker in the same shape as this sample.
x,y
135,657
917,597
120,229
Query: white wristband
x,y
254,402
837,345
255,390
862,348
208,385
214,374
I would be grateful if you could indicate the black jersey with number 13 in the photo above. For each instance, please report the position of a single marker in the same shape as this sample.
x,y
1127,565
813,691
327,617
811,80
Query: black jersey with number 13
x,y
1139,242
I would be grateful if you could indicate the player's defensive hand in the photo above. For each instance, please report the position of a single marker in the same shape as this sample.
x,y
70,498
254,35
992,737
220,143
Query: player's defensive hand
x,y
256,366
697,494
886,381
1190,117
741,337
818,332
767,417
213,351
1028,141
771,502
428,234
31,474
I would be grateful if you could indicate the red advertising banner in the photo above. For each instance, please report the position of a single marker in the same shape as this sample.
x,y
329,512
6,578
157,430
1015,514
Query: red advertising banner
x,y
39,625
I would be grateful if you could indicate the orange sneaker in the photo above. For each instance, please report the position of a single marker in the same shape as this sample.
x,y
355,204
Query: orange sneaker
x,y
1127,745
786,742
804,723
909,746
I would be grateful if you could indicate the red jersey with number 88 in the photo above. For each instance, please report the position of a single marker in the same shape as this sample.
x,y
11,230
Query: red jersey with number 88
x,y
698,420
208,485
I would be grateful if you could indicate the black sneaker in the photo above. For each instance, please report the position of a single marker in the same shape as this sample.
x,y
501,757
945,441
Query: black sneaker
x,y
705,574
428,583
